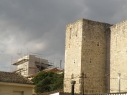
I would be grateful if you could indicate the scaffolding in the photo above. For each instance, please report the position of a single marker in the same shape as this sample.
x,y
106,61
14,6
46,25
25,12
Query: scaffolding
x,y
31,64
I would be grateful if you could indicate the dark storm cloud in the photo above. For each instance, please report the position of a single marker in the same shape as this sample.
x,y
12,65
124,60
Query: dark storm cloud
x,y
39,25
36,25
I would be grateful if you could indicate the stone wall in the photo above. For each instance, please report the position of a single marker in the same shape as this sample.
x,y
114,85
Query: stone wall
x,y
118,57
15,89
86,52
73,55
94,56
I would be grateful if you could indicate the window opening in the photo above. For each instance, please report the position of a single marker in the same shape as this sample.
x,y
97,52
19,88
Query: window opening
x,y
90,60
98,44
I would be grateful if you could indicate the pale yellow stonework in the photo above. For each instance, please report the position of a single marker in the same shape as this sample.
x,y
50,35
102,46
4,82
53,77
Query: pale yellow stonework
x,y
99,50
118,56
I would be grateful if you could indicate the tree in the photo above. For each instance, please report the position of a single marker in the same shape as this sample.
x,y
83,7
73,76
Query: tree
x,y
48,81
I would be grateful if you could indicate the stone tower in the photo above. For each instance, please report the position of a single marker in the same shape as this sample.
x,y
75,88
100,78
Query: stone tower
x,y
118,57
86,52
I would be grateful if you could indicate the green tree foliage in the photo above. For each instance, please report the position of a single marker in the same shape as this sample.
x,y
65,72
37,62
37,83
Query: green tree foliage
x,y
48,81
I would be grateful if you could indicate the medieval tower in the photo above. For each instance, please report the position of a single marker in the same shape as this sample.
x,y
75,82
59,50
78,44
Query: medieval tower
x,y
91,58
118,57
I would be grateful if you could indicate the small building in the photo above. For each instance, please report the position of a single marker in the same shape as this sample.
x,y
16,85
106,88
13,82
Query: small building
x,y
14,84
30,64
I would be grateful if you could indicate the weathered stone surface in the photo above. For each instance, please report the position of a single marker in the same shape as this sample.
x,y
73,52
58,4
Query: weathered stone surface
x,y
98,50
118,56
85,52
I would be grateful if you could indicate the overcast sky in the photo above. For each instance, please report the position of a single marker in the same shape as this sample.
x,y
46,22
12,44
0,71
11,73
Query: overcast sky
x,y
38,26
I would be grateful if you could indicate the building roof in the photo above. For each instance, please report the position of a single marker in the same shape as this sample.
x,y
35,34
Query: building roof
x,y
55,70
11,77
20,61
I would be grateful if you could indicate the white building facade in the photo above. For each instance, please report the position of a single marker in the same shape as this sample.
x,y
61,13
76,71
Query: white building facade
x,y
30,64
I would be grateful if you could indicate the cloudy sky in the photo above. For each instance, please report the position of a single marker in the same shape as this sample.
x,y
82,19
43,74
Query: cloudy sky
x,y
38,26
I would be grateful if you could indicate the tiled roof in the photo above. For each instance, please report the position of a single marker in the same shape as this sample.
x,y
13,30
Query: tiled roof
x,y
51,70
33,75
11,77
55,70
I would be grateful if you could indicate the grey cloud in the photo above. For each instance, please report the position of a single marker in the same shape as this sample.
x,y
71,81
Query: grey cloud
x,y
39,25
106,10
